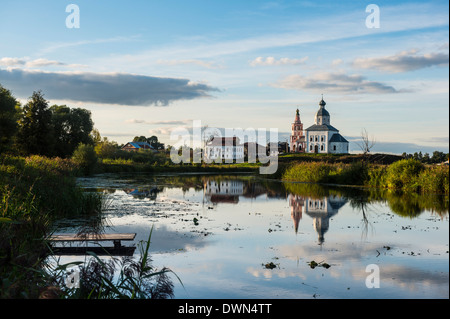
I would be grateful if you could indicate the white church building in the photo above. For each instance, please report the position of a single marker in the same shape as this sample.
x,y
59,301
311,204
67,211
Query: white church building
x,y
321,137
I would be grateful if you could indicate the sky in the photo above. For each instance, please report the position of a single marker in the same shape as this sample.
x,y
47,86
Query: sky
x,y
148,67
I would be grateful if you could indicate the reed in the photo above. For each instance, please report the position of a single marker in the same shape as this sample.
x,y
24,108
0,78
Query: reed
x,y
34,191
115,278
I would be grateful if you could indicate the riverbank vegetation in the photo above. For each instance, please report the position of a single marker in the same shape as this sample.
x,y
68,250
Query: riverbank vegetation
x,y
407,175
34,192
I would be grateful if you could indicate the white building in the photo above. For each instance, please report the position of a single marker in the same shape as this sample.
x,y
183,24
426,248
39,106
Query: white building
x,y
224,148
324,138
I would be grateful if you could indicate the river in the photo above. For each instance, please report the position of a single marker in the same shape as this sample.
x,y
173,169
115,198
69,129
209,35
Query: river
x,y
239,236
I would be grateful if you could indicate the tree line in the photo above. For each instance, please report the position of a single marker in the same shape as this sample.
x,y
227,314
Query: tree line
x,y
40,129
435,158
37,128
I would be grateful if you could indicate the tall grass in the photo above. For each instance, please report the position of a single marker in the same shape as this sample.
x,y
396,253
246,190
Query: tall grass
x,y
114,278
34,191
406,175
316,172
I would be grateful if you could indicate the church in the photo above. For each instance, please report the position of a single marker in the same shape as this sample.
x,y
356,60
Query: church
x,y
321,137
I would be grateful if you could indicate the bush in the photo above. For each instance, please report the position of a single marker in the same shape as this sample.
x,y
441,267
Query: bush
x,y
85,157
434,180
403,175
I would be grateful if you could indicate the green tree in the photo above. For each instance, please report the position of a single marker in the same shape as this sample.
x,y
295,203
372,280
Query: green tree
x,y
95,136
71,127
106,148
8,118
438,157
35,135
85,157
139,139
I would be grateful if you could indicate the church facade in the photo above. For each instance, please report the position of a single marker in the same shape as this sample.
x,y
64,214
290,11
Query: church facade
x,y
321,137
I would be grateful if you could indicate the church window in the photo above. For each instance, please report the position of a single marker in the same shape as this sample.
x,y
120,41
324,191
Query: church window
x,y
310,147
321,147
334,147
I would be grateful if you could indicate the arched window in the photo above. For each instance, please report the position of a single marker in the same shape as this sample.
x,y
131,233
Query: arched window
x,y
321,147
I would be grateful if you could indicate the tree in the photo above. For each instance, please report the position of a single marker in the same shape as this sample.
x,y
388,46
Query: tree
x,y
106,148
140,139
438,157
35,135
85,156
71,127
95,136
153,141
426,158
8,118
366,143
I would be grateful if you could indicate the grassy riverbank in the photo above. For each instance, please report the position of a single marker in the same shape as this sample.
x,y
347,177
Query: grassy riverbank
x,y
406,175
129,166
33,192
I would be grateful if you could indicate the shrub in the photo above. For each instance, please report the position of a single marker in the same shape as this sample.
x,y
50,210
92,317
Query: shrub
x,y
403,175
434,179
85,157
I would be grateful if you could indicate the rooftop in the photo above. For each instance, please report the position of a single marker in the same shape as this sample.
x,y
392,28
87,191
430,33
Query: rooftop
x,y
323,127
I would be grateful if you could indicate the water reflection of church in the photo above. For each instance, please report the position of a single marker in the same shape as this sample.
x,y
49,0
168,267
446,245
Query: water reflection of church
x,y
319,209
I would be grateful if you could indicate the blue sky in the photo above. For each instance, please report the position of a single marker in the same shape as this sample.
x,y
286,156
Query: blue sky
x,y
146,67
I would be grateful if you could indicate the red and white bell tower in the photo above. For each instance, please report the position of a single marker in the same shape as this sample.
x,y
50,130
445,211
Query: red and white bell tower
x,y
298,141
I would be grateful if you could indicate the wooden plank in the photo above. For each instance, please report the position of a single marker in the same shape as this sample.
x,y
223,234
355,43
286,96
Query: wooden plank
x,y
100,251
93,237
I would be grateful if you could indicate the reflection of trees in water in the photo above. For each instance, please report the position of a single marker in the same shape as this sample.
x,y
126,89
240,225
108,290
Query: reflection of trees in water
x,y
365,201
402,204
361,204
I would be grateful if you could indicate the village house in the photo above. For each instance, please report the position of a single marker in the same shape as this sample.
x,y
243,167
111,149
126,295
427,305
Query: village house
x,y
136,146
224,148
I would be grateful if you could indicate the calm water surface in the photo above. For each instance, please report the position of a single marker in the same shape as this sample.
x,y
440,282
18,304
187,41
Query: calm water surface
x,y
218,233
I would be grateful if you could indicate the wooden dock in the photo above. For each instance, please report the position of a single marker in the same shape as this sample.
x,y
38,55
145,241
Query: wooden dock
x,y
117,250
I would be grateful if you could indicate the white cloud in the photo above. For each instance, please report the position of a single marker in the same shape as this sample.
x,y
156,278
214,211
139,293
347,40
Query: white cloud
x,y
9,62
37,63
161,131
174,122
333,82
271,61
403,61
205,64
63,45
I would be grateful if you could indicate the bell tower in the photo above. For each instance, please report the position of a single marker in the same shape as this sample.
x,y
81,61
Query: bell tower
x,y
297,137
